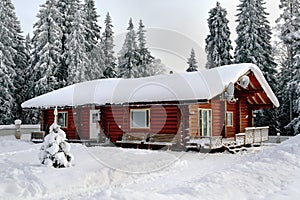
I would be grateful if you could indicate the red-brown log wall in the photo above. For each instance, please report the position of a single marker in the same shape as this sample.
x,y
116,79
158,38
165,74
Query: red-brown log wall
x,y
78,125
115,120
48,119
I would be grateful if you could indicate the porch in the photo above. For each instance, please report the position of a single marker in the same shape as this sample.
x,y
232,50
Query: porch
x,y
251,136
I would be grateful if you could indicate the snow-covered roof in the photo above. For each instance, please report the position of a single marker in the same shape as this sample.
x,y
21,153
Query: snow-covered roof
x,y
201,85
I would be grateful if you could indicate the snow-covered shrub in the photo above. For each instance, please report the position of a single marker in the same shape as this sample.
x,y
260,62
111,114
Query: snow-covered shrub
x,y
294,125
55,151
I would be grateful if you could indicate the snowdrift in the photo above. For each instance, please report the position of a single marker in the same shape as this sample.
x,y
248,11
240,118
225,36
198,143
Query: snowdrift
x,y
268,172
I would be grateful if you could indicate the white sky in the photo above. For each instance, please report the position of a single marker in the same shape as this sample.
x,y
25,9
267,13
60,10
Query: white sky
x,y
186,20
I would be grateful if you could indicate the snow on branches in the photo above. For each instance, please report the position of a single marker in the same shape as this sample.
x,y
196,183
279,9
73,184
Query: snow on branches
x,y
55,151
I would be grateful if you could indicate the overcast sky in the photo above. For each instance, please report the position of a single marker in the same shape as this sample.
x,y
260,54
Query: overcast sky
x,y
185,20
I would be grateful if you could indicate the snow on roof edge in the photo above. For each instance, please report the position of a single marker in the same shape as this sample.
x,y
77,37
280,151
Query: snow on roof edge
x,y
101,92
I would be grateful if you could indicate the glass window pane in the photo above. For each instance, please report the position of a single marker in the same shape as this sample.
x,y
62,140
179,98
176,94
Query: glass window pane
x,y
140,118
62,119
205,122
229,118
95,118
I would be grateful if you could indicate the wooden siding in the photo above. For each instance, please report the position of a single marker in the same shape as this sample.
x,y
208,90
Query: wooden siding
x,y
115,120
235,128
78,124
244,115
218,117
218,113
193,120
48,119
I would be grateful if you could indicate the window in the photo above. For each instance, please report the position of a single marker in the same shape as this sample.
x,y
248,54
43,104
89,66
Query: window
x,y
139,118
62,119
229,118
205,119
95,117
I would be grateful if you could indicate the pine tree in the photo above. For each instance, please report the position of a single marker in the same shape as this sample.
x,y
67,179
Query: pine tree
x,y
46,49
129,56
218,43
192,62
13,62
77,57
29,116
108,49
247,45
146,59
254,46
94,50
289,27
67,10
90,20
267,64
254,38
6,91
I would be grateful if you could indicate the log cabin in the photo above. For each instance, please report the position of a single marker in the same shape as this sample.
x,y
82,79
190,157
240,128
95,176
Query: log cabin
x,y
208,108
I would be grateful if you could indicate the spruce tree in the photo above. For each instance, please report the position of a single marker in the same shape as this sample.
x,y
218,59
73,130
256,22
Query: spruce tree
x,y
90,20
6,91
288,27
13,62
46,49
128,56
108,49
254,38
218,43
267,64
94,50
192,62
67,10
77,57
146,59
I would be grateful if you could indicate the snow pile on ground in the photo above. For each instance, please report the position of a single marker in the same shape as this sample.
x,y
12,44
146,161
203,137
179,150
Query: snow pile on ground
x,y
268,172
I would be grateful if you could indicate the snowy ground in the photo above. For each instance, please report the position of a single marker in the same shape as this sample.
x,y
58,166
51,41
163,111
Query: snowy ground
x,y
268,172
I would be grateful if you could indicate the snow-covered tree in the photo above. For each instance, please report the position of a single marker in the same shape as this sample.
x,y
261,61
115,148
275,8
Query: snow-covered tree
x,y
77,59
90,20
93,44
247,45
13,61
267,63
192,62
67,10
218,43
6,91
128,56
253,45
108,49
46,48
288,25
146,59
55,151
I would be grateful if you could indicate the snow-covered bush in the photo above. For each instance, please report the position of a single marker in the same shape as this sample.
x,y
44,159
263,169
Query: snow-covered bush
x,y
294,125
55,151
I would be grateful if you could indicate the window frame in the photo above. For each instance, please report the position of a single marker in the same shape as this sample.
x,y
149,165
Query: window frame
x,y
200,123
227,119
147,118
65,114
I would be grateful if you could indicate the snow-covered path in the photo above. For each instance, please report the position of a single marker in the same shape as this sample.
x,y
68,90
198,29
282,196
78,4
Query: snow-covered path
x,y
115,173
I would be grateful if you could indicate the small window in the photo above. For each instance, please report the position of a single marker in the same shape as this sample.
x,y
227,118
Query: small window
x,y
62,119
229,118
139,118
95,118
